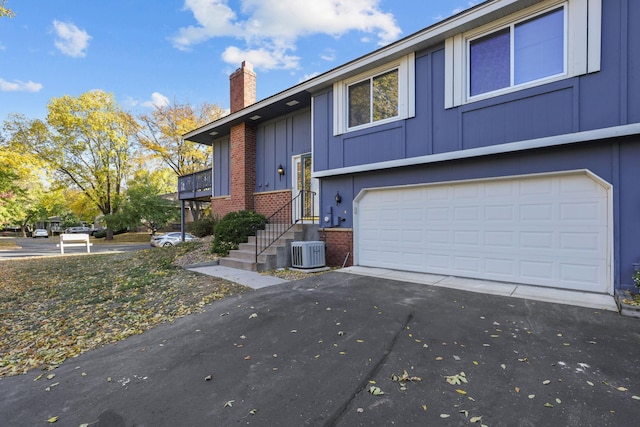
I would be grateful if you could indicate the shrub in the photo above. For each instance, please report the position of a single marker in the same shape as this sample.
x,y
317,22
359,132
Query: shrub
x,y
202,227
235,228
101,234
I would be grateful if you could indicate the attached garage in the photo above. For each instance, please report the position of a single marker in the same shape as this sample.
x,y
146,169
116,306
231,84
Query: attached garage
x,y
549,230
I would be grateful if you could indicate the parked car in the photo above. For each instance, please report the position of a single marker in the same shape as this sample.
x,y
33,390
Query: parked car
x,y
40,232
170,239
76,230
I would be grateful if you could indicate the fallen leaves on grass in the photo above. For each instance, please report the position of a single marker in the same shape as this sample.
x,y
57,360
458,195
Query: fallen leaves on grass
x,y
55,308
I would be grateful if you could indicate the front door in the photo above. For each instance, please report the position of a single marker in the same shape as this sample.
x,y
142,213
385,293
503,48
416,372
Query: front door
x,y
308,208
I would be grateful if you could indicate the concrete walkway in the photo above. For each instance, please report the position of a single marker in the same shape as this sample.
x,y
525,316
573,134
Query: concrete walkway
x,y
247,278
581,299
537,293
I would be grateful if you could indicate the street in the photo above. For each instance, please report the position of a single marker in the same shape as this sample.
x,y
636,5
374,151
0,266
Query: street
x,y
29,247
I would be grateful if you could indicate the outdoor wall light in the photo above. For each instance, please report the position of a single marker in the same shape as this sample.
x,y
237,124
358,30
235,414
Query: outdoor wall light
x,y
280,171
338,198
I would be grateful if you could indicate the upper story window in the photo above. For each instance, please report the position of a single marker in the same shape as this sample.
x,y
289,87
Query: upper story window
x,y
550,41
382,95
374,99
523,52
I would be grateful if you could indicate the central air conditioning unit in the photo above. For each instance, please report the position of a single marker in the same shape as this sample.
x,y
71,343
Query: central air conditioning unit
x,y
307,254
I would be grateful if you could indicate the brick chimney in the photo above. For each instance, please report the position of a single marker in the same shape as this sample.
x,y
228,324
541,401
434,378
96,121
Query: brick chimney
x,y
242,139
242,84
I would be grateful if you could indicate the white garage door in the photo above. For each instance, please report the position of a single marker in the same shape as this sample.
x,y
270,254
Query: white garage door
x,y
542,230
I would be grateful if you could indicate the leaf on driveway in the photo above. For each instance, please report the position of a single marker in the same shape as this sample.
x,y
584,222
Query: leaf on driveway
x,y
228,403
376,391
52,420
253,316
622,389
444,415
546,382
404,377
475,419
457,379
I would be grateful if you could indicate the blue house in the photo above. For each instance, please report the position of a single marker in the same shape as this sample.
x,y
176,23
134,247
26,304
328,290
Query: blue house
x,y
499,144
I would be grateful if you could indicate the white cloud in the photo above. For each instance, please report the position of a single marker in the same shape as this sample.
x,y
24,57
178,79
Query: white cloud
x,y
457,10
270,28
19,86
157,100
328,55
71,40
263,57
308,77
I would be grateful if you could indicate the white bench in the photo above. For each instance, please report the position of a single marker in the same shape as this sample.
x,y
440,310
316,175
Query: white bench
x,y
80,239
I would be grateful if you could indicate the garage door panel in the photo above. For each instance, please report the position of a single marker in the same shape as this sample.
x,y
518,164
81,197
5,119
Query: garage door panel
x,y
548,231
500,267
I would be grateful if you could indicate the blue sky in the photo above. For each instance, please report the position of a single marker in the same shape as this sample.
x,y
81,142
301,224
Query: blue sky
x,y
149,52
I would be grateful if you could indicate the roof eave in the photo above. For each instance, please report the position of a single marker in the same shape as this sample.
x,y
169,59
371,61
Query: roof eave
x,y
431,36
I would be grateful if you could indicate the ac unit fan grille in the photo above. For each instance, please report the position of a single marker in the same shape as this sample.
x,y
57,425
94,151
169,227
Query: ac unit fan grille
x,y
307,254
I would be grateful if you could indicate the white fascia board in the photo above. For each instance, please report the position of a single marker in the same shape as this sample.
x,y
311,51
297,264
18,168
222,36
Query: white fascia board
x,y
511,147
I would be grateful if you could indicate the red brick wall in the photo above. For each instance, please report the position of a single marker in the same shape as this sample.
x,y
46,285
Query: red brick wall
x,y
269,202
242,87
338,243
220,206
243,166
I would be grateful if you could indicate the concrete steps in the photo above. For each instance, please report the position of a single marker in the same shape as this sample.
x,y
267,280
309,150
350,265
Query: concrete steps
x,y
278,255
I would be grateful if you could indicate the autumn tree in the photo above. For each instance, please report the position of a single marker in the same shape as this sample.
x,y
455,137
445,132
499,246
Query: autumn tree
x,y
4,11
160,134
87,143
144,205
21,185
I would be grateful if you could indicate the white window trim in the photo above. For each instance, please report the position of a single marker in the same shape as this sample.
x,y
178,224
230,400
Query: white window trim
x,y
583,45
406,95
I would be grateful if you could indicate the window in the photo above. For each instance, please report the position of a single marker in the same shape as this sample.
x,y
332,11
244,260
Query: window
x,y
374,99
383,95
523,52
553,40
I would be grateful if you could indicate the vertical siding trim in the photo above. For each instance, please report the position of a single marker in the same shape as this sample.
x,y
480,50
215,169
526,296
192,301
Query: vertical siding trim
x,y
448,73
624,62
454,73
594,38
578,37
615,192
430,104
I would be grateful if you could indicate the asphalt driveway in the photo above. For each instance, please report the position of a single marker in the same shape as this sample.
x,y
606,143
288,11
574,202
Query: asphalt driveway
x,y
309,353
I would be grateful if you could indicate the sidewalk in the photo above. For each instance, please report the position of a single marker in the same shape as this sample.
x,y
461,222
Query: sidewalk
x,y
247,278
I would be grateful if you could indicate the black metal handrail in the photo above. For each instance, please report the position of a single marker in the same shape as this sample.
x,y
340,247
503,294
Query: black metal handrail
x,y
296,211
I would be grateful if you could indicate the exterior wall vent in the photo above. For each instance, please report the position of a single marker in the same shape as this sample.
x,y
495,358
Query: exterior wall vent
x,y
307,254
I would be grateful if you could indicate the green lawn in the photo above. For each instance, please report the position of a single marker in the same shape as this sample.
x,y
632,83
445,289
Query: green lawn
x,y
53,308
